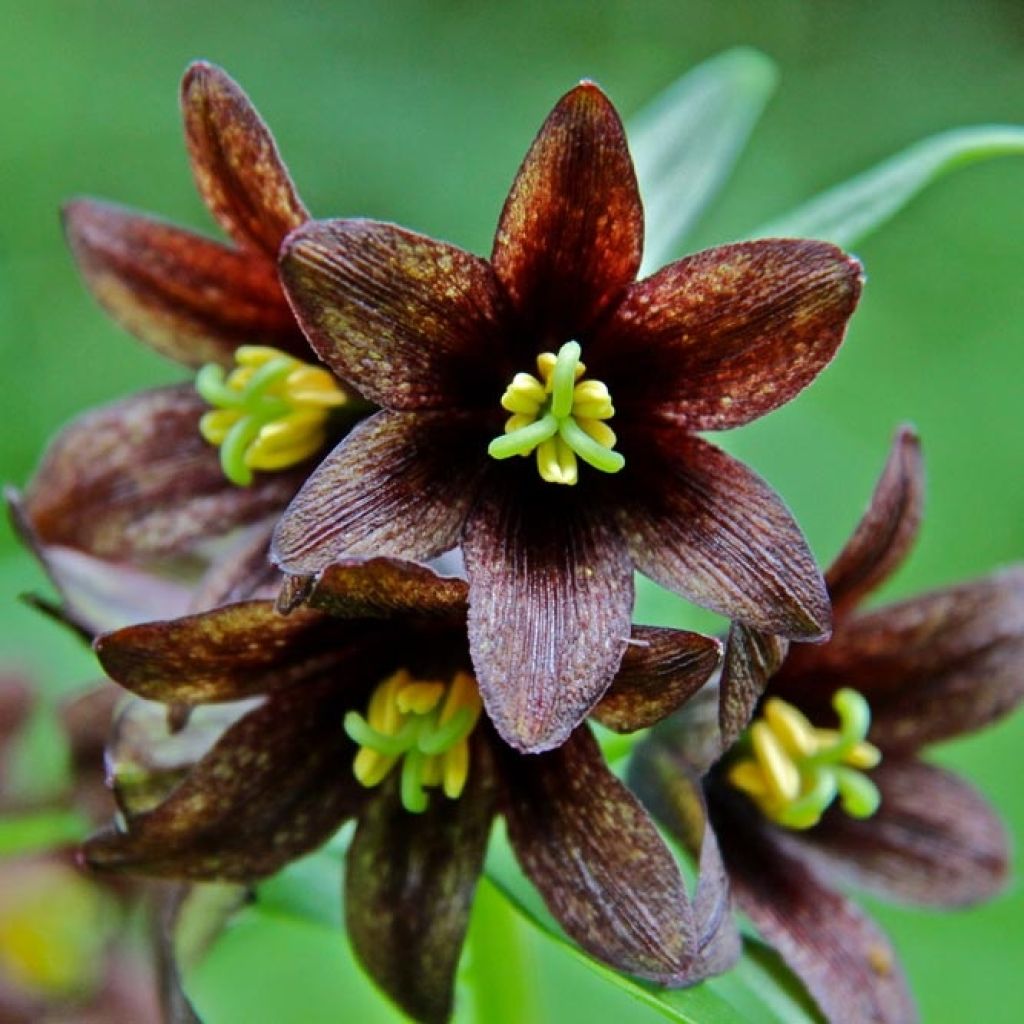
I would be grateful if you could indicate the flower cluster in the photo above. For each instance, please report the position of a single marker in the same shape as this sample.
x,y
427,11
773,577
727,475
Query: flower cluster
x,y
361,395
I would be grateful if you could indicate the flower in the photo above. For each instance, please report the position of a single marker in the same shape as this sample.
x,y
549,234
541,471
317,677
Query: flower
x,y
370,711
936,666
138,480
447,344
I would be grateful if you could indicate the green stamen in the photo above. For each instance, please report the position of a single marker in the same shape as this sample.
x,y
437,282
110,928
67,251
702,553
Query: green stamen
x,y
547,412
819,765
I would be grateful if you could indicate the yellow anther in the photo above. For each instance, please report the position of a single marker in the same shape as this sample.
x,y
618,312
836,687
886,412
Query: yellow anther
x,y
748,776
558,416
371,767
779,771
792,728
419,698
269,413
598,430
422,725
793,770
456,770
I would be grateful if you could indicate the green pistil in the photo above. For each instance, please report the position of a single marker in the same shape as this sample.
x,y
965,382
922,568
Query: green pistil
x,y
546,414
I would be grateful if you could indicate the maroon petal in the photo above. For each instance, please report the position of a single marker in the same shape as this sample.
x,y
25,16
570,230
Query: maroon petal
x,y
751,659
276,786
846,962
936,666
550,604
388,587
411,322
598,861
237,167
242,573
570,237
95,595
232,652
190,298
727,335
399,485
661,669
409,888
135,479
887,530
702,524
934,841
670,789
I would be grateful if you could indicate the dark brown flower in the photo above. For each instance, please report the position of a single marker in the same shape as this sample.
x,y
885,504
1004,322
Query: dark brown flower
x,y
448,343
374,680
930,668
136,480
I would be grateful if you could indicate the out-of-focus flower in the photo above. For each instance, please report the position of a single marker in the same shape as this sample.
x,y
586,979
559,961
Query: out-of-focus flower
x,y
476,362
140,479
370,711
799,805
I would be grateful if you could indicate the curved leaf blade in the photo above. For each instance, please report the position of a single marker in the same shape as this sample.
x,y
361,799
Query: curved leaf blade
x,y
686,141
849,212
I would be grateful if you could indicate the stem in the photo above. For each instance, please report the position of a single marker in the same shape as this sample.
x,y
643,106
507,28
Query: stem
x,y
499,967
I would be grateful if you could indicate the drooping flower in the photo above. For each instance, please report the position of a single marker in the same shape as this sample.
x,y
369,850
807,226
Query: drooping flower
x,y
369,710
800,806
140,479
553,352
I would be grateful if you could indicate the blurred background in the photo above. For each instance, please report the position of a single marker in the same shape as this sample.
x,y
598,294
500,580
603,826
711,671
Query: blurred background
x,y
420,112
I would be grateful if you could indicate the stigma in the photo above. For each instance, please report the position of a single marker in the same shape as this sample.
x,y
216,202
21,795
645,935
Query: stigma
x,y
561,416
269,413
794,771
425,726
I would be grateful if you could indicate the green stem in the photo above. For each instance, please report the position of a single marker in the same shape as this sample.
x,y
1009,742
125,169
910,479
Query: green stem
x,y
499,967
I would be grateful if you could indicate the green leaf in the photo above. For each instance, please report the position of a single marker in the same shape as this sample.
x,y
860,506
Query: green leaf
x,y
31,833
758,989
851,211
686,141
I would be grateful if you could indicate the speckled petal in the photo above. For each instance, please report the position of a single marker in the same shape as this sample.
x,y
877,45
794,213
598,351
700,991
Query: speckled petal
x,y
134,479
412,323
387,588
570,237
727,335
238,170
751,659
598,861
934,841
933,667
702,524
233,652
845,960
274,787
399,485
186,296
409,887
660,670
887,531
550,603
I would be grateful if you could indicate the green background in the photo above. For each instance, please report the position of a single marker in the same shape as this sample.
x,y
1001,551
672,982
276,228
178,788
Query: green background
x,y
419,113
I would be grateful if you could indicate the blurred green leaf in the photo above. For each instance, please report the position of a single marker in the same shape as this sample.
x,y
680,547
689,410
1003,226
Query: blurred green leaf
x,y
851,211
686,141
30,833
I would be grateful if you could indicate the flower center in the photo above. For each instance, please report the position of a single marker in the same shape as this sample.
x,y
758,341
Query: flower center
x,y
560,415
426,726
793,770
270,412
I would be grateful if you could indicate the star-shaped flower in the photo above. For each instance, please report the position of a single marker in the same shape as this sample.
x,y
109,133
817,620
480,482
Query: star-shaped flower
x,y
800,806
476,362
369,710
